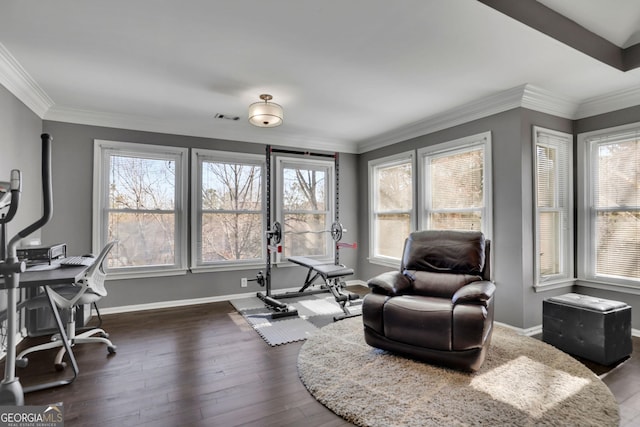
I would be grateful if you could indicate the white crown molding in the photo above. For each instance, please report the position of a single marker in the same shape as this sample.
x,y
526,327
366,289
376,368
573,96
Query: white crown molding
x,y
121,121
607,103
17,81
493,104
544,101
527,96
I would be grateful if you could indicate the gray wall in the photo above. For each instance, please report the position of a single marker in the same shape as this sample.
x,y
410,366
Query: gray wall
x,y
512,241
20,148
72,186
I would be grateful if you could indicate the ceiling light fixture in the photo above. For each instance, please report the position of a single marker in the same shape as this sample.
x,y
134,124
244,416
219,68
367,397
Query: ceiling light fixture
x,y
265,114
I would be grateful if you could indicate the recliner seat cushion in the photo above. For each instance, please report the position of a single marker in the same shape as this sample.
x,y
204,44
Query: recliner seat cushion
x,y
419,321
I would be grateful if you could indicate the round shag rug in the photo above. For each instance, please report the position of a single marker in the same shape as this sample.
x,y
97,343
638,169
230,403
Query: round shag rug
x,y
523,382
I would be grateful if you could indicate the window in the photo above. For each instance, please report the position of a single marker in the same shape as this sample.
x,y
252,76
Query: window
x,y
139,200
456,185
391,206
610,202
553,195
227,208
306,207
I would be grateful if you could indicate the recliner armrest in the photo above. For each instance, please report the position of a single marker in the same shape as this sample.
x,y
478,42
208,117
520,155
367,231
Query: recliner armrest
x,y
474,293
389,283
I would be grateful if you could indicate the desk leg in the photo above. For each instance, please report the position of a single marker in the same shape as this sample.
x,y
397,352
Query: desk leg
x,y
67,346
11,391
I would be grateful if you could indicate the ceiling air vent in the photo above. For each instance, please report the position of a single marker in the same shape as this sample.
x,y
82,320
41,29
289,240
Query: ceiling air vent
x,y
226,116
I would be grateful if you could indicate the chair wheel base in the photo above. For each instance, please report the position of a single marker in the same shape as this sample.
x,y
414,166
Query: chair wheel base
x,y
22,363
111,349
60,366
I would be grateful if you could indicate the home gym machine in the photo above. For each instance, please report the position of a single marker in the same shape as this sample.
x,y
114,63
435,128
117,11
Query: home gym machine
x,y
274,237
11,392
331,273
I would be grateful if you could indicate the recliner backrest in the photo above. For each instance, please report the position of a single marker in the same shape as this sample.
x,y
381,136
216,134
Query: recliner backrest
x,y
439,262
445,251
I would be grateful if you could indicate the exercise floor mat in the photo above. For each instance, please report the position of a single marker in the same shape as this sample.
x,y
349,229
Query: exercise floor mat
x,y
282,331
314,312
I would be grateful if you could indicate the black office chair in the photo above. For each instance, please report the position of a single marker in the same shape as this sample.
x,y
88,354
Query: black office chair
x,y
87,290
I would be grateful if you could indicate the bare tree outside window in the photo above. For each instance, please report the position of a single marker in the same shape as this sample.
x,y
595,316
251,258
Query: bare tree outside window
x,y
141,212
231,221
306,210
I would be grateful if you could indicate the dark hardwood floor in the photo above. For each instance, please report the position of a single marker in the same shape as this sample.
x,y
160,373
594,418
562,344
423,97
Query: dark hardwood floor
x,y
204,366
624,382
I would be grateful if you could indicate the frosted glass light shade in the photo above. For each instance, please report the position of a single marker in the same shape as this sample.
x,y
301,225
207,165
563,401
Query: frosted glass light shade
x,y
265,114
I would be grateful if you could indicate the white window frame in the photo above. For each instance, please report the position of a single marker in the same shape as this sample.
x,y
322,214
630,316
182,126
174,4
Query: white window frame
x,y
481,140
282,161
197,156
559,141
373,167
586,239
101,153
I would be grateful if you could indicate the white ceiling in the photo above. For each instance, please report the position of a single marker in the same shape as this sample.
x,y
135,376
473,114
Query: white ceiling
x,y
618,21
350,75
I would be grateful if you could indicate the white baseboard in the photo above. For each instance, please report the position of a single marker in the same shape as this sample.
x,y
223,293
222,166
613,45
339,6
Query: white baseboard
x,y
172,304
538,330
196,301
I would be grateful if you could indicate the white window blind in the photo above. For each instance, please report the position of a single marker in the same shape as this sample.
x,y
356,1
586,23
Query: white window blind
x,y
613,173
457,185
392,205
553,205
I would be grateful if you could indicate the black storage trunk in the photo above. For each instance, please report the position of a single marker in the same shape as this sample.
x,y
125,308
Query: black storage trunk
x,y
593,328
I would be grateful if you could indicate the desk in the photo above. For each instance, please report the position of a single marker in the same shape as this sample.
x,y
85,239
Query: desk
x,y
45,278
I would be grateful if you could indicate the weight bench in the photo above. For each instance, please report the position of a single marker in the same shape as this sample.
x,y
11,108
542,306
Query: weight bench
x,y
331,275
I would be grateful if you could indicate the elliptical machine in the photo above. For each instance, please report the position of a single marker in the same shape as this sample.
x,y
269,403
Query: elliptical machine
x,y
11,392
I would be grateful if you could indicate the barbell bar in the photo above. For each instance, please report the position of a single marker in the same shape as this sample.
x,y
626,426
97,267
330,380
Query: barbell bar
x,y
275,233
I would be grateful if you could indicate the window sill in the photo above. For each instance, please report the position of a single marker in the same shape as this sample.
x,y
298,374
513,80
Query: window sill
x,y
616,287
113,275
385,263
226,267
554,284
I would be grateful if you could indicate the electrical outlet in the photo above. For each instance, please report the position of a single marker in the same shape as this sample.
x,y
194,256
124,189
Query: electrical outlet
x,y
243,282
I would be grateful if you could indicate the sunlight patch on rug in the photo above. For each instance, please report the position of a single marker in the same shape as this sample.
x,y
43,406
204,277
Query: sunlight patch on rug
x,y
540,387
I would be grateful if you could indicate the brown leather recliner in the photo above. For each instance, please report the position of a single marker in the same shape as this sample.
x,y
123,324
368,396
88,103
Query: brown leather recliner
x,y
439,307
